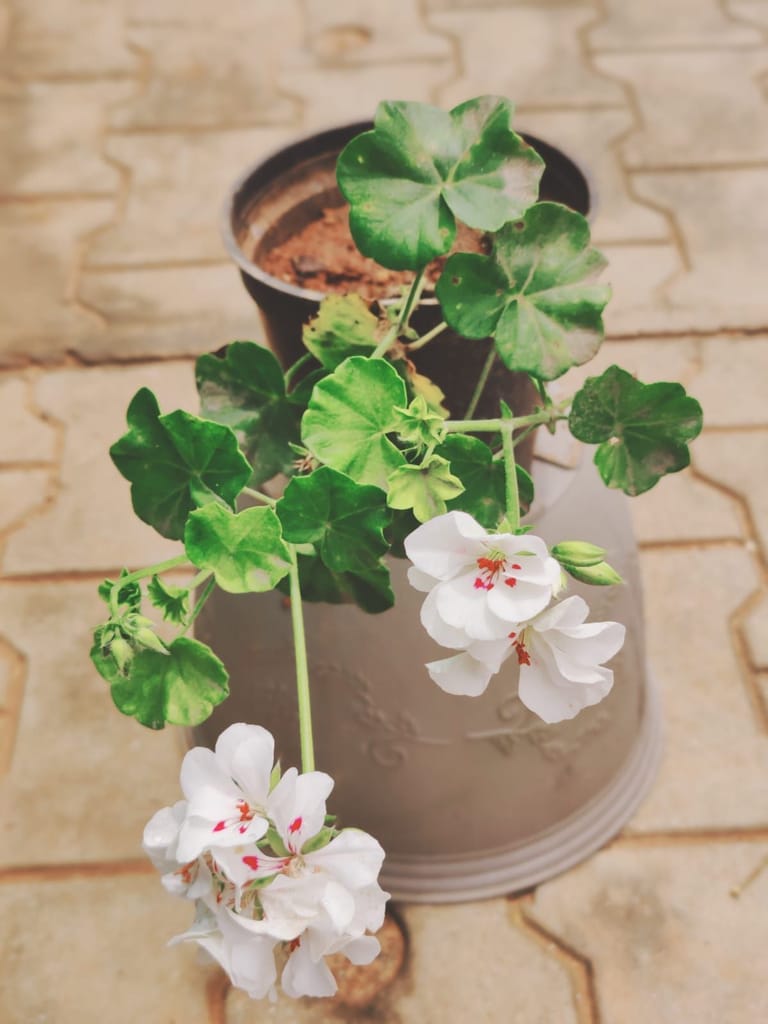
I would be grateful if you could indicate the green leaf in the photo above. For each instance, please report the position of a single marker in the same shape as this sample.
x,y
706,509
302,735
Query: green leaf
x,y
181,687
172,601
484,495
644,428
176,463
344,326
370,590
318,841
536,294
246,391
424,488
129,595
245,551
349,416
421,168
344,520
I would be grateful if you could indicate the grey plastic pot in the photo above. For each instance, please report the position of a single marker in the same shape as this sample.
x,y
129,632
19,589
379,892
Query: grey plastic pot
x,y
470,797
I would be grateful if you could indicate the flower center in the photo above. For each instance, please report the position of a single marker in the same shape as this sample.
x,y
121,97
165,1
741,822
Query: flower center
x,y
490,568
523,657
245,814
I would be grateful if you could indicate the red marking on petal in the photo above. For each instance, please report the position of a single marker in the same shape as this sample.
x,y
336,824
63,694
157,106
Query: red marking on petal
x,y
512,635
294,944
516,566
251,862
219,826
510,581
242,829
295,825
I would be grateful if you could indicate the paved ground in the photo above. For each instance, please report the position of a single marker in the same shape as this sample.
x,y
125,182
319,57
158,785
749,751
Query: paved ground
x,y
122,122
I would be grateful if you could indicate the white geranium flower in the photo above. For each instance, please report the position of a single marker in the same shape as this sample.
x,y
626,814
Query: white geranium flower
x,y
192,879
226,791
561,660
479,583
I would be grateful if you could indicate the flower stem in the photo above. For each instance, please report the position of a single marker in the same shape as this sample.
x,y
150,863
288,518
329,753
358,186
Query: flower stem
x,y
535,419
259,496
510,471
481,382
302,669
291,372
402,317
203,598
426,338
140,574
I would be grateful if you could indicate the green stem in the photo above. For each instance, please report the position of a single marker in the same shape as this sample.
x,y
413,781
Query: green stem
x,y
203,598
302,669
426,338
481,382
402,317
259,496
510,471
140,574
535,419
291,372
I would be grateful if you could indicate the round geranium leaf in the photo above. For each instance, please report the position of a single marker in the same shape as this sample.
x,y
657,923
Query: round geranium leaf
x,y
420,168
344,520
176,463
484,495
245,390
425,488
344,326
536,295
349,416
642,430
370,590
181,687
245,551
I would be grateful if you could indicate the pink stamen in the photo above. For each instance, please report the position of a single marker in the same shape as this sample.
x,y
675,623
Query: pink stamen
x,y
523,657
489,570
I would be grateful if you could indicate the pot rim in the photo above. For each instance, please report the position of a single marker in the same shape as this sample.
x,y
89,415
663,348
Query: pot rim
x,y
345,131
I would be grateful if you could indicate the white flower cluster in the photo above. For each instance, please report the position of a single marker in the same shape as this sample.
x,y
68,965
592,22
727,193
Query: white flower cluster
x,y
489,596
270,880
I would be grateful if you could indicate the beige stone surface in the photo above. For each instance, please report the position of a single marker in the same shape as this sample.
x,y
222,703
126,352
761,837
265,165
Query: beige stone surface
x,y
737,459
51,137
749,12
727,122
638,275
548,70
218,72
106,773
731,381
165,311
709,719
24,435
682,508
88,949
591,138
39,247
46,39
178,183
654,24
665,939
22,491
358,32
756,632
91,525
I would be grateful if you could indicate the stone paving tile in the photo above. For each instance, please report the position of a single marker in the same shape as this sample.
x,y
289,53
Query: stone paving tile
x,y
91,524
752,11
709,721
216,73
697,108
723,219
47,38
589,138
21,491
682,508
637,275
756,632
666,940
178,183
51,136
82,950
24,436
38,247
548,70
731,382
738,460
109,773
655,24
358,32
334,96
165,311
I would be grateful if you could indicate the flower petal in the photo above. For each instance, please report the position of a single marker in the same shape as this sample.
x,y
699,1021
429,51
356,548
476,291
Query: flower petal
x,y
297,806
553,698
462,605
462,675
445,545
353,858
246,754
436,627
303,976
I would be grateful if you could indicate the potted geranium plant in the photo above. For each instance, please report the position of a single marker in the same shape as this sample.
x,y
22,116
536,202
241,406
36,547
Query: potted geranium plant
x,y
374,464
